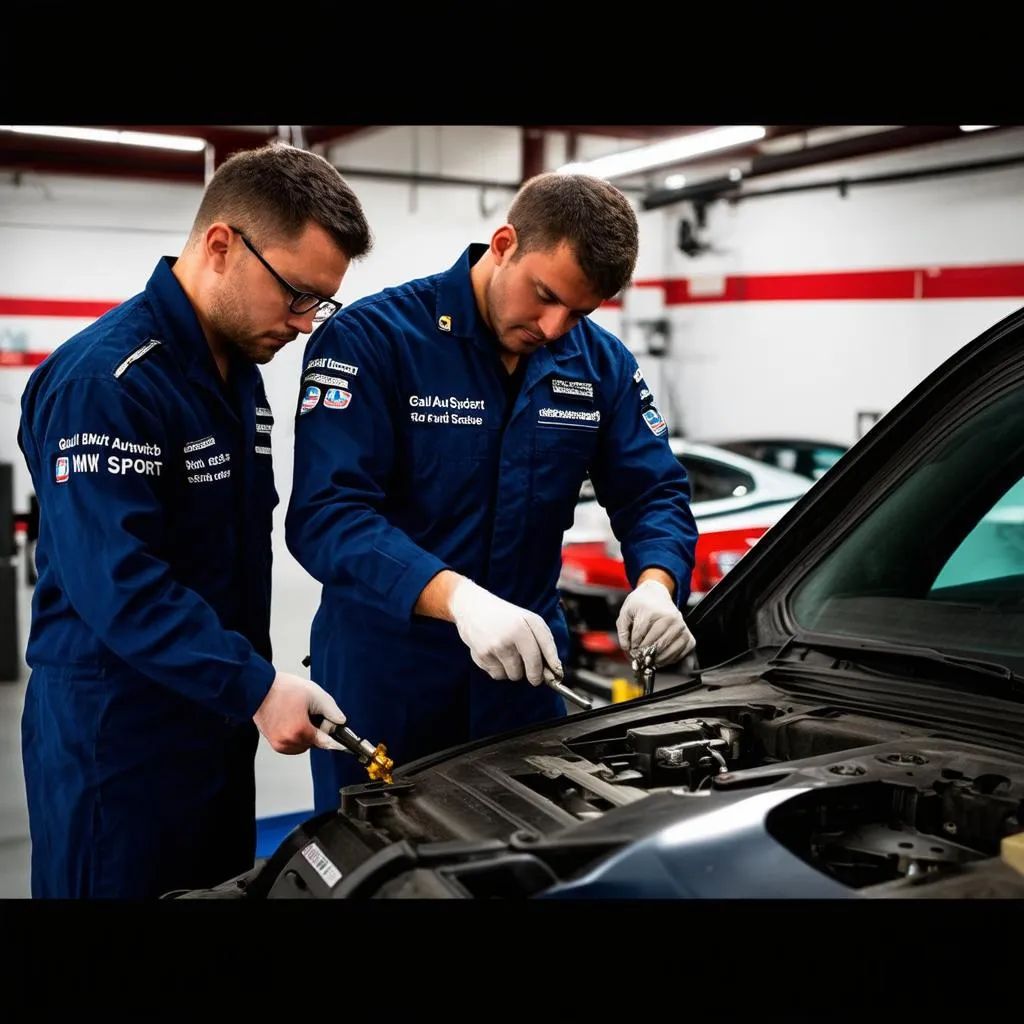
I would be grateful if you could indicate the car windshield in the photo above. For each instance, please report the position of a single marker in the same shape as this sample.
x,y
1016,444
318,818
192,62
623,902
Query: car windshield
x,y
803,457
710,480
939,563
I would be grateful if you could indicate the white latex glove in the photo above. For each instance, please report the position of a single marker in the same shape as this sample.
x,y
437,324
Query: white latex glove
x,y
650,616
506,641
284,715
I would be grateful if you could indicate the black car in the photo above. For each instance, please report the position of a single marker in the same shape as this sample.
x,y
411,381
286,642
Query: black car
x,y
855,728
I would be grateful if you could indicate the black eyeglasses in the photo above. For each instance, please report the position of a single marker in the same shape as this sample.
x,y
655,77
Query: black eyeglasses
x,y
302,302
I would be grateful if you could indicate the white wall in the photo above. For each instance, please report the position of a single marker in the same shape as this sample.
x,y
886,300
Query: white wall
x,y
806,367
73,238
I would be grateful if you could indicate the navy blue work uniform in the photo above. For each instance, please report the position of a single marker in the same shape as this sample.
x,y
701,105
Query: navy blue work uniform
x,y
150,639
415,452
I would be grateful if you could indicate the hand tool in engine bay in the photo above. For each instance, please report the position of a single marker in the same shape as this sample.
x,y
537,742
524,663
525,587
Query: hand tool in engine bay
x,y
555,682
644,668
378,764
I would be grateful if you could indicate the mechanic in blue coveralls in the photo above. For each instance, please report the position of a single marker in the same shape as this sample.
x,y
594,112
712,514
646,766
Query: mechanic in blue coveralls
x,y
148,439
443,432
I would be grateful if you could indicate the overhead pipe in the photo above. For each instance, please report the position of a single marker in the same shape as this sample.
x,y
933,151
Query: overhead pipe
x,y
843,149
404,177
726,190
842,185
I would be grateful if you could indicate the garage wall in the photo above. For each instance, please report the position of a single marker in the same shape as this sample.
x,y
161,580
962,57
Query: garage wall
x,y
72,247
899,253
803,366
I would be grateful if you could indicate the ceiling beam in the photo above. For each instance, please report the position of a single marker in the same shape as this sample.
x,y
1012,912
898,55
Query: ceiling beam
x,y
639,132
24,154
42,155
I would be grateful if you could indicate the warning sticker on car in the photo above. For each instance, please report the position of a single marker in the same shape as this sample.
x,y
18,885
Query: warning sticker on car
x,y
322,864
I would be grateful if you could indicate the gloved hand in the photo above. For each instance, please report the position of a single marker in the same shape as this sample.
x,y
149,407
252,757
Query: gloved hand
x,y
650,616
506,641
284,715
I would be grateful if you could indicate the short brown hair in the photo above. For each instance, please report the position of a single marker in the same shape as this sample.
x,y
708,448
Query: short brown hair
x,y
273,192
594,217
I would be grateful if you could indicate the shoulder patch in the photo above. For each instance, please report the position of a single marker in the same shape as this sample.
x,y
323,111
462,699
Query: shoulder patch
x,y
137,355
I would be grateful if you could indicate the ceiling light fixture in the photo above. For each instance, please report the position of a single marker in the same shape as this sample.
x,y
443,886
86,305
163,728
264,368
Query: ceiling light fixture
x,y
670,151
975,127
187,143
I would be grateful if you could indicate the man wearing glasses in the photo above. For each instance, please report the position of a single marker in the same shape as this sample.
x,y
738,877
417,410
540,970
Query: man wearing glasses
x,y
148,439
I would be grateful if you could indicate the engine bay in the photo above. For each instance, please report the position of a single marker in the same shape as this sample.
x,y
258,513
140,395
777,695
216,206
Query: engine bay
x,y
901,812
873,806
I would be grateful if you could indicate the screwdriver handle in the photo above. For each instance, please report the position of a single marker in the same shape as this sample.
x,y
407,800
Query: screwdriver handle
x,y
347,738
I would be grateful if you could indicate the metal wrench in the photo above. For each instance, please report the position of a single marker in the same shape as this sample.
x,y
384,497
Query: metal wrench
x,y
554,681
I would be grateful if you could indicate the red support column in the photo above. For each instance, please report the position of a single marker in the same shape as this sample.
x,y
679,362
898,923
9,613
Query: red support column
x,y
533,153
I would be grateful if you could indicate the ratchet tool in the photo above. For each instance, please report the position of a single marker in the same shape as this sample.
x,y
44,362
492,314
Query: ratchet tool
x,y
378,764
555,682
643,668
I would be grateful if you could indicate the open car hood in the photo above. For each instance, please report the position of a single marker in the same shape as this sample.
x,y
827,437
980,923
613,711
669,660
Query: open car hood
x,y
726,786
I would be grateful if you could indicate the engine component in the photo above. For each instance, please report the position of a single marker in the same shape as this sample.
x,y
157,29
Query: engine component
x,y
686,754
644,668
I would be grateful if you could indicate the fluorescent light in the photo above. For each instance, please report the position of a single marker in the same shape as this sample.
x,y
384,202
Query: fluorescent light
x,y
975,127
671,151
188,143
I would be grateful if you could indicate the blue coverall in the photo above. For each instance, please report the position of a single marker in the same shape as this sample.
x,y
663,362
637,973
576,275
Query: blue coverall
x,y
409,460
150,639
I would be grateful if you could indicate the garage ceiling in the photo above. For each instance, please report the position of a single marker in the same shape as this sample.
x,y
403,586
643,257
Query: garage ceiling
x,y
784,147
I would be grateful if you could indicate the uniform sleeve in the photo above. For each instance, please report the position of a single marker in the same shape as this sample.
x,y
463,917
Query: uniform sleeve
x,y
102,457
643,486
336,524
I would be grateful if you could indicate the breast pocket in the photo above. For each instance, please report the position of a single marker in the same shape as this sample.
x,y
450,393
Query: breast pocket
x,y
561,458
205,522
447,475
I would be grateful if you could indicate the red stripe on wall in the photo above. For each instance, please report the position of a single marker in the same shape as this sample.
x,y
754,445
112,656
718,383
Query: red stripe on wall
x,y
85,308
8,359
997,282
979,282
994,281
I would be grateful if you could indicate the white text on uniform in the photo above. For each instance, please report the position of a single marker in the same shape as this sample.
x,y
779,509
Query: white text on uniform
x,y
145,467
451,402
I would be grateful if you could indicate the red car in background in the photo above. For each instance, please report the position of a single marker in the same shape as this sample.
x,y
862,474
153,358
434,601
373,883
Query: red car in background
x,y
735,501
